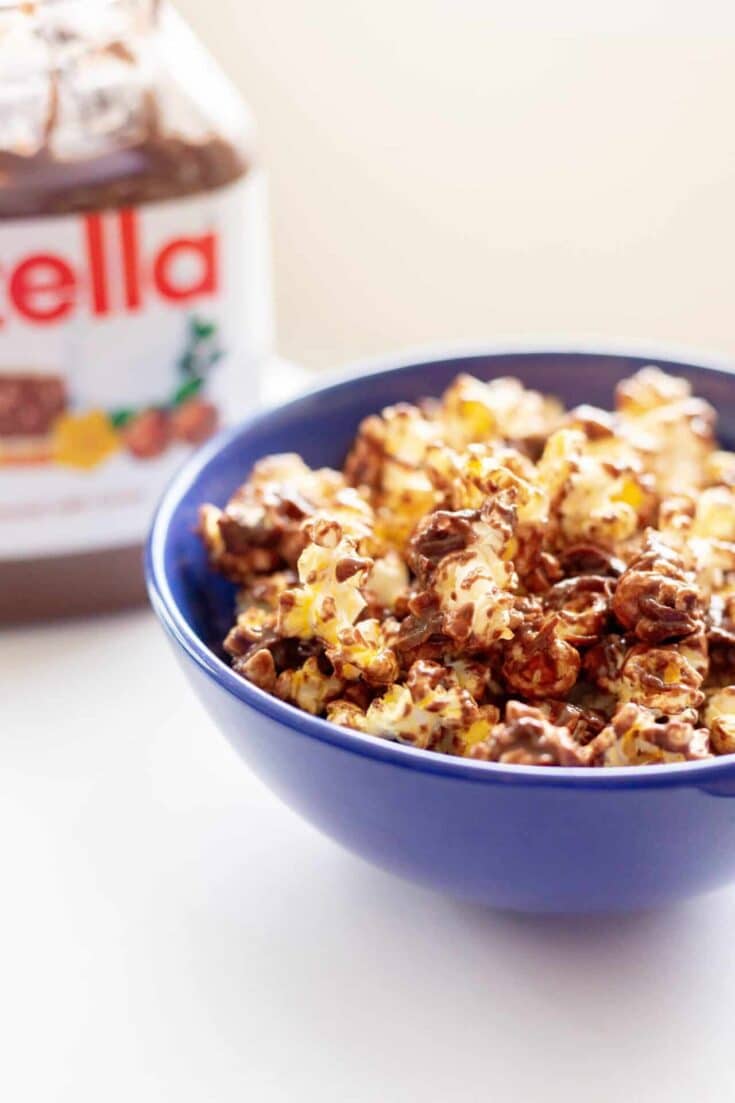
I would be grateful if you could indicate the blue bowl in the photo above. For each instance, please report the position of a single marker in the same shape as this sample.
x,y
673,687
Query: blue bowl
x,y
514,837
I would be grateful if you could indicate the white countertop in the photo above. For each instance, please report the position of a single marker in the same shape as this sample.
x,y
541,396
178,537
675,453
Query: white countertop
x,y
171,932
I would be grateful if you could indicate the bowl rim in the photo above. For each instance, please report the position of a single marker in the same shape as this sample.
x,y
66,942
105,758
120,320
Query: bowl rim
x,y
403,755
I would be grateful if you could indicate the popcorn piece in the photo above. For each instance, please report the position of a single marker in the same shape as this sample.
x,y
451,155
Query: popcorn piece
x,y
329,599
308,687
597,492
582,606
253,626
719,716
539,662
346,714
466,480
527,738
259,667
463,559
656,598
672,431
428,707
363,651
388,457
261,528
666,679
465,742
604,504
406,433
472,676
257,612
583,724
328,603
438,535
663,679
238,565
476,411
637,737
649,389
475,585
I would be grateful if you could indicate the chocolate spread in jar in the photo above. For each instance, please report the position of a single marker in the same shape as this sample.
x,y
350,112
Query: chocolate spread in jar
x,y
133,311
158,166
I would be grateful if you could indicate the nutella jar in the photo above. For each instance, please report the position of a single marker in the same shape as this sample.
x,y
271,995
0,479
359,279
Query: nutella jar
x,y
134,292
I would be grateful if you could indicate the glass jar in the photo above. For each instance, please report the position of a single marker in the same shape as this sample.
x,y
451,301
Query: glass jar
x,y
134,291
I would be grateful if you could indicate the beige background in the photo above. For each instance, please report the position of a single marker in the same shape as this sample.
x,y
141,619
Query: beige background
x,y
452,171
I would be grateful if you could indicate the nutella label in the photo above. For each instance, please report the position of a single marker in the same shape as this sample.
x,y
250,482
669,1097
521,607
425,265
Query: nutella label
x,y
127,337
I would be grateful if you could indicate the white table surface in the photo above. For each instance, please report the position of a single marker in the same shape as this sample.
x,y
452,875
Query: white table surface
x,y
170,932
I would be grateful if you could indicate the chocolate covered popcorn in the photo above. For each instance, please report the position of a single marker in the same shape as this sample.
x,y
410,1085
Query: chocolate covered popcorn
x,y
492,577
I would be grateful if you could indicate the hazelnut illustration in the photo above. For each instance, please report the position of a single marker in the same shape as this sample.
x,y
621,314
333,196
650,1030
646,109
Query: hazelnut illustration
x,y
147,434
194,421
